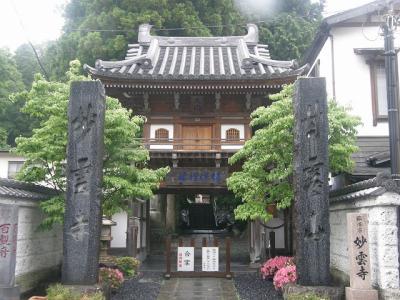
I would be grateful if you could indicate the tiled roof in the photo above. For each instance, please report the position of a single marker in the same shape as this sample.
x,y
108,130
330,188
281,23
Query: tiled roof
x,y
166,58
23,190
383,182
372,155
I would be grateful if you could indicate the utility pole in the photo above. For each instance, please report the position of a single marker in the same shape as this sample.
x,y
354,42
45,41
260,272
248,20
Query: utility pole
x,y
391,88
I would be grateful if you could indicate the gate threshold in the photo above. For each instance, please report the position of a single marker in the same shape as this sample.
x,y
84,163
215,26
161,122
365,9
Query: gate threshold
x,y
205,231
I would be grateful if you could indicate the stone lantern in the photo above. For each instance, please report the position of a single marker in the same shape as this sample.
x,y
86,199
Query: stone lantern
x,y
105,238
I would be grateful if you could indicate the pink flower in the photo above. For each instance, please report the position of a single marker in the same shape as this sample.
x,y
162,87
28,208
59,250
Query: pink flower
x,y
111,277
284,276
271,266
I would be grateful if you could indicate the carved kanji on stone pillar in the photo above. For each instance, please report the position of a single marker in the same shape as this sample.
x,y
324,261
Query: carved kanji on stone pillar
x,y
311,181
82,222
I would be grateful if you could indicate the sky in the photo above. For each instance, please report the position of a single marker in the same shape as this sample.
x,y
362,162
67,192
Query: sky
x,y
42,19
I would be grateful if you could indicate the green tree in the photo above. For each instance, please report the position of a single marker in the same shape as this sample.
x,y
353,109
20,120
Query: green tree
x,y
125,16
125,174
288,35
3,139
288,27
12,121
10,77
266,175
26,63
103,28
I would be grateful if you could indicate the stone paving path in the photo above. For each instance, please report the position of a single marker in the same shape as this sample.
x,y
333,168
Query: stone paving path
x,y
198,289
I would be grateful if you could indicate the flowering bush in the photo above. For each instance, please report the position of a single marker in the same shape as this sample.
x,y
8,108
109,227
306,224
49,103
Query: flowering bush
x,y
112,278
272,265
127,265
285,275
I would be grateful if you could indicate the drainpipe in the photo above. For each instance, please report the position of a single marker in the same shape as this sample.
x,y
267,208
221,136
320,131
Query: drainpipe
x,y
391,87
333,66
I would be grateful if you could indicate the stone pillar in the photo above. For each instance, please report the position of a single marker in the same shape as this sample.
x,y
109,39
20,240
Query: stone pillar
x,y
157,220
359,258
8,251
131,240
255,250
311,182
83,216
170,221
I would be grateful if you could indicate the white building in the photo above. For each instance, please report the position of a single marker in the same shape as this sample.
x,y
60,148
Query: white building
x,y
348,52
10,164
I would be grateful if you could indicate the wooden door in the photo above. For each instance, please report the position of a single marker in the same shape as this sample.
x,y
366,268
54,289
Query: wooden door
x,y
196,137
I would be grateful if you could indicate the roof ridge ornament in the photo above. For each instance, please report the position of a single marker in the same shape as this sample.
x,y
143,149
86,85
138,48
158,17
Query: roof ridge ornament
x,y
144,35
142,60
273,63
252,34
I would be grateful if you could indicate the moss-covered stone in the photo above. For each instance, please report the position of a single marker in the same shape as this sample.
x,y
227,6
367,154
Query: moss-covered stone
x,y
32,280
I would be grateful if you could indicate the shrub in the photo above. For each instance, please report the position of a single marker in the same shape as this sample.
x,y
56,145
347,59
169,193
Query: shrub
x,y
308,296
60,292
95,296
128,265
272,265
111,278
285,275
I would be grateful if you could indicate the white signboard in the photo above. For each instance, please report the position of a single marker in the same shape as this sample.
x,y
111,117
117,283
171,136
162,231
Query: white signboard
x,y
210,259
185,260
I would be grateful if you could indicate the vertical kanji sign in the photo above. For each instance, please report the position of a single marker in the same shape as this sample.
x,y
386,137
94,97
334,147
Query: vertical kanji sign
x,y
85,153
8,245
310,181
359,258
210,259
185,259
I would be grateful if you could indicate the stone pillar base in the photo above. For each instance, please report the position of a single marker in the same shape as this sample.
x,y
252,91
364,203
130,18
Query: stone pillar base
x,y
357,294
9,293
329,292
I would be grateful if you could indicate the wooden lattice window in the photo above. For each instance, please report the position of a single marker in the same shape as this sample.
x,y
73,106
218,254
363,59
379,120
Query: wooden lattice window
x,y
378,91
232,134
162,134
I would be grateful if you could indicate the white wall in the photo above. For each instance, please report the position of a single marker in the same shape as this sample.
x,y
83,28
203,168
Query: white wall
x,y
383,237
38,251
118,232
5,157
154,127
225,127
352,73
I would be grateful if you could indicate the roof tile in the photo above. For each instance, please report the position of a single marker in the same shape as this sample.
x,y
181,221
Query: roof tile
x,y
231,57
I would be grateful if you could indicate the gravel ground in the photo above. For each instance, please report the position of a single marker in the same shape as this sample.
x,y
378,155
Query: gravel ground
x,y
250,286
145,286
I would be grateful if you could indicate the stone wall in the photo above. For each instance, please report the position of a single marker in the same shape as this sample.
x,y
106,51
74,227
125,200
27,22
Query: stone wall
x,y
39,253
382,208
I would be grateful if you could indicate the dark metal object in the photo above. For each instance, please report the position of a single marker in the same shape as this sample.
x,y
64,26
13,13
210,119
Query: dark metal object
x,y
82,221
391,87
272,248
272,227
311,182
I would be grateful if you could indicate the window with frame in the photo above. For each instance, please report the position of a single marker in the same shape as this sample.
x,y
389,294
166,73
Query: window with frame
x,y
161,134
232,134
378,91
13,168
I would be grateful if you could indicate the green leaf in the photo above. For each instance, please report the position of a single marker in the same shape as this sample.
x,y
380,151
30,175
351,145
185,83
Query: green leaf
x,y
267,158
